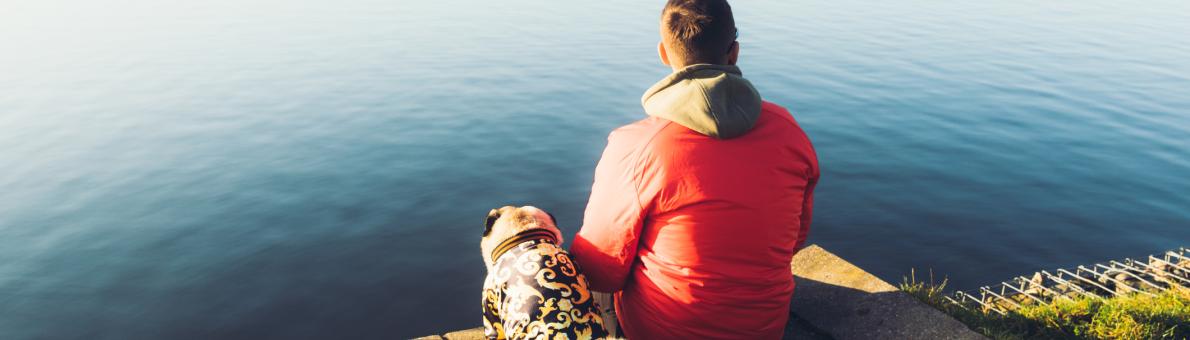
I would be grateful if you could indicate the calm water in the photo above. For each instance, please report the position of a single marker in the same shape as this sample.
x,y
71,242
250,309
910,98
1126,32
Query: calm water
x,y
308,169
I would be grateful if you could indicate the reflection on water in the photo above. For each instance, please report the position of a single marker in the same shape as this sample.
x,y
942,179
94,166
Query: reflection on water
x,y
221,169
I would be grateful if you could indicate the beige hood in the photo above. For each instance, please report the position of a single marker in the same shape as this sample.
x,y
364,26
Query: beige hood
x,y
714,100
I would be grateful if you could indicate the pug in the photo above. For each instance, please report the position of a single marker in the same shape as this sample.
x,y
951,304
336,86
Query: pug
x,y
533,290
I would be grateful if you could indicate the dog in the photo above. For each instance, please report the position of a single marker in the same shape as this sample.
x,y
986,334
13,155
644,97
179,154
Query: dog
x,y
533,289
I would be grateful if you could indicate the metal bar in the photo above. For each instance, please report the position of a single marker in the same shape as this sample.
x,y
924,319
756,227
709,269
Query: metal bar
x,y
1177,255
956,303
1044,288
1120,283
1158,273
1055,293
1130,267
991,303
1137,277
1147,271
1178,277
979,301
989,291
1023,293
1073,286
1169,255
1093,283
1170,265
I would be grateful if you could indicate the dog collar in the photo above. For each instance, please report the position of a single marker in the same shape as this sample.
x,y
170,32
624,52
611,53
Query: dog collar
x,y
522,237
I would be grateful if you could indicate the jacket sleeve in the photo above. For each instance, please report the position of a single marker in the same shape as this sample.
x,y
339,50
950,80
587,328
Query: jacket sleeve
x,y
808,199
807,213
605,248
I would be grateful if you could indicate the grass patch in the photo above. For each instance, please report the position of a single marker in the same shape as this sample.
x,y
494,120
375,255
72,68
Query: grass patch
x,y
1136,316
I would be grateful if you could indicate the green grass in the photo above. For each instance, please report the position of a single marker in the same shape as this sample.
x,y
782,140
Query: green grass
x,y
1137,316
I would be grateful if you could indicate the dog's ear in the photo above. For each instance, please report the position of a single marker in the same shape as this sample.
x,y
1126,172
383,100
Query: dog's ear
x,y
493,216
552,218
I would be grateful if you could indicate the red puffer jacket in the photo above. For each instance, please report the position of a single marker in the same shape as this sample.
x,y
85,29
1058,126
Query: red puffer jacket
x,y
695,225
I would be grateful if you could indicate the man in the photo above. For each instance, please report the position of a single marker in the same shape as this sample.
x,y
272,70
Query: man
x,y
697,210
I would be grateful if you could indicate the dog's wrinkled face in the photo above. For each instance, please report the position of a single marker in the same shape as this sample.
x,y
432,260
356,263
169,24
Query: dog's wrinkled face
x,y
508,221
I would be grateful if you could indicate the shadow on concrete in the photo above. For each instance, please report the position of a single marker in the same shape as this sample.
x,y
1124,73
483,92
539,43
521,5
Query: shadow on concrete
x,y
841,312
800,329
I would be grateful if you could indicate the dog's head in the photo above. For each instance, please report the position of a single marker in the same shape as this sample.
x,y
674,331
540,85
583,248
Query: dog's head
x,y
508,221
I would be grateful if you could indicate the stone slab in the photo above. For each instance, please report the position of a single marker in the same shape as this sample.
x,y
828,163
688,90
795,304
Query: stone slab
x,y
469,334
846,302
795,329
798,329
834,299
466,334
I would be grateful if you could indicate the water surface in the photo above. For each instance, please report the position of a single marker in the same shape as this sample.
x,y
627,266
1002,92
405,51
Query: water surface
x,y
319,169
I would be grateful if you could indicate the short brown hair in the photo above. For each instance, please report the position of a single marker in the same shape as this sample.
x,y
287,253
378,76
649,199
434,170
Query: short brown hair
x,y
702,30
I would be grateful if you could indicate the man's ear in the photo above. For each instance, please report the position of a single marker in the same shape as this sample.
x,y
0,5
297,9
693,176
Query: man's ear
x,y
734,55
662,53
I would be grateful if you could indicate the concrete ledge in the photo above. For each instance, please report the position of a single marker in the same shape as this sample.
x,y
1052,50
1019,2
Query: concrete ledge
x,y
847,302
467,334
796,329
835,299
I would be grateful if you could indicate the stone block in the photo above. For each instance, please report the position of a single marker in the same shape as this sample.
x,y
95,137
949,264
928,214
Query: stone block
x,y
846,302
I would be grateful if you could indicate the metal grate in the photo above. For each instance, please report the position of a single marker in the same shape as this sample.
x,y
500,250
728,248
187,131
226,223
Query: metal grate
x,y
1097,281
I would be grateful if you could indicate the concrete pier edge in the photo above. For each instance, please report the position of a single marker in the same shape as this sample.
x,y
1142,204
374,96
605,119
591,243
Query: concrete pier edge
x,y
836,299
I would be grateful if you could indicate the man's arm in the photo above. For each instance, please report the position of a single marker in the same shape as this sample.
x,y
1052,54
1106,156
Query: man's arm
x,y
807,213
808,200
606,245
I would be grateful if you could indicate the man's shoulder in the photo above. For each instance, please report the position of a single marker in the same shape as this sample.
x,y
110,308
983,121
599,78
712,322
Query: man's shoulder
x,y
771,109
641,127
637,134
783,123
645,133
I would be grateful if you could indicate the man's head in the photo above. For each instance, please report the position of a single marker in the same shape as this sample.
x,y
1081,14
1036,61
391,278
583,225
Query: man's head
x,y
697,32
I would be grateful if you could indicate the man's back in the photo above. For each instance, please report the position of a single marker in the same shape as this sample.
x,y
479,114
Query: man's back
x,y
696,211
697,232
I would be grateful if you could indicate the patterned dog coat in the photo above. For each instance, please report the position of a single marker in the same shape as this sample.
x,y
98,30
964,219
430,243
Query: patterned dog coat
x,y
535,291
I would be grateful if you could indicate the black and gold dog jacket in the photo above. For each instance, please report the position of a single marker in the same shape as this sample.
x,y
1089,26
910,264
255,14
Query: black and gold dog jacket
x,y
535,291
